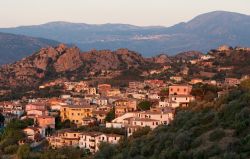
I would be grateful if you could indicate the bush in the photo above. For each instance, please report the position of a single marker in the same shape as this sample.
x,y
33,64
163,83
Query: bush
x,y
11,149
23,152
141,132
144,105
216,135
245,85
213,151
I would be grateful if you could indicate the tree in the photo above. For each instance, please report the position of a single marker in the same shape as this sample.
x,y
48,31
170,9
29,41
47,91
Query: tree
x,y
110,116
140,132
245,85
23,152
2,119
144,105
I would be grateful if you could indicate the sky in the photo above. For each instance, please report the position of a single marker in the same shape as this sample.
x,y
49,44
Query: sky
x,y
136,12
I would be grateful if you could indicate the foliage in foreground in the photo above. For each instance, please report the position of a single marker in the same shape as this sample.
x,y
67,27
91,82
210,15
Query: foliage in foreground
x,y
217,129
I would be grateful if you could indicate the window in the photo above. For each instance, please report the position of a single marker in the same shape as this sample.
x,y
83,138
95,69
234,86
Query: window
x,y
178,90
156,123
185,90
141,123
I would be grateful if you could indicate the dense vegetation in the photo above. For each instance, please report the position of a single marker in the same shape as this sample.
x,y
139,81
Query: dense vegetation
x,y
207,129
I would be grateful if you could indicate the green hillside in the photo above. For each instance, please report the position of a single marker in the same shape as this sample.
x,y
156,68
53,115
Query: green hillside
x,y
215,129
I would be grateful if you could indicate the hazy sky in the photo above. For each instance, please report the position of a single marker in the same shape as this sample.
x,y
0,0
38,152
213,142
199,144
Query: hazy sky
x,y
138,12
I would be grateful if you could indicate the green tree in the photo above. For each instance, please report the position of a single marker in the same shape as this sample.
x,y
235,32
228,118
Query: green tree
x,y
2,119
110,116
245,85
144,105
23,151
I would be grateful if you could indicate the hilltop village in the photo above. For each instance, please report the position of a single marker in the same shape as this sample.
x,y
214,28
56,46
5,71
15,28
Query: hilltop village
x,y
84,114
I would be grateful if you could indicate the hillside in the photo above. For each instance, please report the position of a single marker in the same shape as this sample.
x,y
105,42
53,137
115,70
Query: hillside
x,y
203,32
14,47
69,62
215,129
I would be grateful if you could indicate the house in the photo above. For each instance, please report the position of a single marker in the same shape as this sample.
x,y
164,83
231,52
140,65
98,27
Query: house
x,y
154,83
136,85
14,108
91,91
176,78
55,103
101,101
223,48
46,121
194,61
88,121
36,112
92,140
123,106
206,63
245,77
210,82
138,95
182,100
100,115
80,86
36,106
34,133
195,81
113,92
179,95
103,88
206,57
207,74
180,90
153,96
76,113
222,93
151,118
132,121
228,68
151,72
231,82
185,70
168,103
64,138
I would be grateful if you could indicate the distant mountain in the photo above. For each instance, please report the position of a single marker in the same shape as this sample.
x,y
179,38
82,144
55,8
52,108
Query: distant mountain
x,y
202,33
14,47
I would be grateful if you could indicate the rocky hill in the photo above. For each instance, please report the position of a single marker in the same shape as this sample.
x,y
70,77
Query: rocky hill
x,y
15,47
188,55
61,61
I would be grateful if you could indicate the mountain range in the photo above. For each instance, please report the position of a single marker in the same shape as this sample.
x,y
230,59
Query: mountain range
x,y
202,33
14,47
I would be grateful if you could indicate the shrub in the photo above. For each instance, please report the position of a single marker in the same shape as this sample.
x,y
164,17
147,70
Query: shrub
x,y
216,135
11,149
144,105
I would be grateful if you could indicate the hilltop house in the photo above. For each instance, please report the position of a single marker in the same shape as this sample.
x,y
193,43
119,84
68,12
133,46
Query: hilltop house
x,y
92,140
